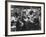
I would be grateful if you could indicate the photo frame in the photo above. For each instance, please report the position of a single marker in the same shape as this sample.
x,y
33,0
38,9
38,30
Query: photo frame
x,y
24,18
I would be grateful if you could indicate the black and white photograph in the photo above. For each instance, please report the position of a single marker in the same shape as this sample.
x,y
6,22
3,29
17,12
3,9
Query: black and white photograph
x,y
25,18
